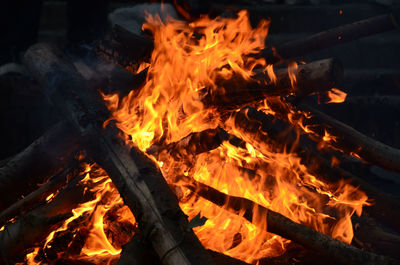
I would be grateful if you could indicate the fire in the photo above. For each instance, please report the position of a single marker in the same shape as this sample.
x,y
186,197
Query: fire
x,y
336,96
98,246
186,64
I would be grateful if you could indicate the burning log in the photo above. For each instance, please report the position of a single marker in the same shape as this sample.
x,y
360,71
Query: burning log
x,y
35,225
137,182
316,76
283,226
258,129
38,195
331,37
351,141
41,159
125,49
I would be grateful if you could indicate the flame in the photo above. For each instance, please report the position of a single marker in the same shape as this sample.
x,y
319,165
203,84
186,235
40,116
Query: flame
x,y
187,61
98,246
336,95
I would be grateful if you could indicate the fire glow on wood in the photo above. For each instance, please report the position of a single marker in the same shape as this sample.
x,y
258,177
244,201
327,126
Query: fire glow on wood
x,y
187,67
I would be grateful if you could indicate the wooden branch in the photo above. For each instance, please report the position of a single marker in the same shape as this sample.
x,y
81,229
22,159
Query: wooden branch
x,y
42,158
24,204
258,128
351,141
283,226
313,77
136,180
331,37
370,236
34,226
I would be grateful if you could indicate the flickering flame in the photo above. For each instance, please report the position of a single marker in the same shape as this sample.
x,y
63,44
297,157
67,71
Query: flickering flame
x,y
187,61
336,96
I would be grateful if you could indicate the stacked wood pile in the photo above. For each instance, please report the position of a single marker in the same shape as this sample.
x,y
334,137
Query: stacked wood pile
x,y
164,235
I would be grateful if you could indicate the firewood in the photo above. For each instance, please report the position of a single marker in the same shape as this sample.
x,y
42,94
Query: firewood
x,y
258,128
191,145
313,77
41,159
351,141
137,180
283,226
370,236
24,204
125,49
34,226
331,37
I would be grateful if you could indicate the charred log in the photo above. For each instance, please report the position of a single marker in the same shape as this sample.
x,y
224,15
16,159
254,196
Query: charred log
x,y
136,180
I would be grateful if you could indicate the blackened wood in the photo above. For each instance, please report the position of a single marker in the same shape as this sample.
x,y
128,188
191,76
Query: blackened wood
x,y
44,157
331,37
284,227
139,182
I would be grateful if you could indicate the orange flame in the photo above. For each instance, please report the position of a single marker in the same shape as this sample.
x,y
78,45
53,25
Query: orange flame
x,y
97,245
336,96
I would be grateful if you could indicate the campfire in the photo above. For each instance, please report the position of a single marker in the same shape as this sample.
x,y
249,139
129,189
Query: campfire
x,y
210,156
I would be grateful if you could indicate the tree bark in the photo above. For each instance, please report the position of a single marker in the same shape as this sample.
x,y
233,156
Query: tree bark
x,y
139,180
